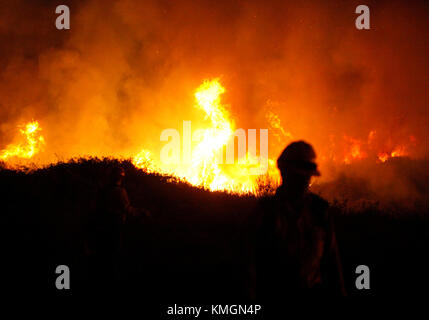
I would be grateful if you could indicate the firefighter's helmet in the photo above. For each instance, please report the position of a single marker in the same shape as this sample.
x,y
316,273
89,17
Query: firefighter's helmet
x,y
299,157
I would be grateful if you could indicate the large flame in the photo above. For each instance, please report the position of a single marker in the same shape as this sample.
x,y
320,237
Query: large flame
x,y
206,168
26,149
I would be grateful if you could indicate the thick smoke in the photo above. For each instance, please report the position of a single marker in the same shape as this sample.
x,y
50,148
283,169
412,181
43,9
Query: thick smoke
x,y
126,70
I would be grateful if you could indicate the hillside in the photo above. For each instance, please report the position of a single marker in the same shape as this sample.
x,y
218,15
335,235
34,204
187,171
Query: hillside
x,y
191,246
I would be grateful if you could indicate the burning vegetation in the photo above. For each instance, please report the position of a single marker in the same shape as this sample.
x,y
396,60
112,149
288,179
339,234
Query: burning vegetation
x,y
110,89
31,143
104,93
204,165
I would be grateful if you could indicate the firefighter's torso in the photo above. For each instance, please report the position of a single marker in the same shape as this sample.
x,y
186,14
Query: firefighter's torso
x,y
295,235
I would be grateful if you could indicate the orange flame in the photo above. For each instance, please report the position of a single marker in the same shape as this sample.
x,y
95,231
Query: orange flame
x,y
355,152
205,168
399,151
31,146
275,123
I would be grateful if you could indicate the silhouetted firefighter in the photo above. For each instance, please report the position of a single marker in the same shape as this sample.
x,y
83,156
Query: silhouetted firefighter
x,y
114,211
292,248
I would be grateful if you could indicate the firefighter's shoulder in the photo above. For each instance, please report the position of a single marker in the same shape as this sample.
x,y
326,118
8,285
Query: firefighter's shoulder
x,y
319,207
318,201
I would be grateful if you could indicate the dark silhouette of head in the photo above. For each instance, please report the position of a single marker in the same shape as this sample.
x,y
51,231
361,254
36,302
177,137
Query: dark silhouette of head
x,y
117,175
297,165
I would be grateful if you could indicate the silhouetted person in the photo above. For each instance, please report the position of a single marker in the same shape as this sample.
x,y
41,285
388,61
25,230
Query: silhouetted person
x,y
293,248
114,212
117,203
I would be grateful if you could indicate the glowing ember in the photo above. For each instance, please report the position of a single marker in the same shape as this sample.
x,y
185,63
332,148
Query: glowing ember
x,y
397,152
383,156
27,149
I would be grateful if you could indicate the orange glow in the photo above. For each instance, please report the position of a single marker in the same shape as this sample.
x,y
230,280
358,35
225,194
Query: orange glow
x,y
355,152
110,89
275,123
28,148
397,152
205,168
